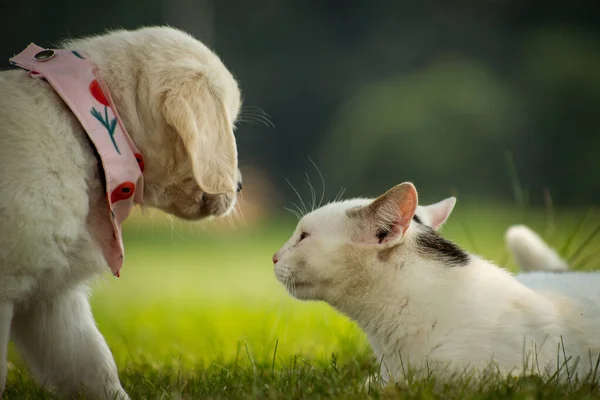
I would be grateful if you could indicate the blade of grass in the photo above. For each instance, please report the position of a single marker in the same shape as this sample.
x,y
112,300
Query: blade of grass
x,y
468,235
580,225
549,206
514,179
274,355
583,263
583,245
465,227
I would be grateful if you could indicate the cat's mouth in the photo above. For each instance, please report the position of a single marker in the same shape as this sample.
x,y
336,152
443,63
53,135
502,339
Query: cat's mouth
x,y
299,289
301,284
297,284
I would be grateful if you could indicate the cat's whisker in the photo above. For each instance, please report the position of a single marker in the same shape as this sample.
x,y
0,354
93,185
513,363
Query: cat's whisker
x,y
304,210
313,193
293,212
297,207
286,283
293,291
322,181
340,194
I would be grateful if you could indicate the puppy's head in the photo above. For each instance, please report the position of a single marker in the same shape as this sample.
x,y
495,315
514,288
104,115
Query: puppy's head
x,y
205,177
179,104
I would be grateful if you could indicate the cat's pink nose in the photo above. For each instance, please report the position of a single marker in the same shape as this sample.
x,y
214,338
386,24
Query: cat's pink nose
x,y
275,259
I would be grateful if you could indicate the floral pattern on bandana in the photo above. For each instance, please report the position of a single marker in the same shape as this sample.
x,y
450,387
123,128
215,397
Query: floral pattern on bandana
x,y
74,79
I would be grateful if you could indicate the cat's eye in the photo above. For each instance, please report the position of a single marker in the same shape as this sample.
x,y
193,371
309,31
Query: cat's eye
x,y
381,234
303,236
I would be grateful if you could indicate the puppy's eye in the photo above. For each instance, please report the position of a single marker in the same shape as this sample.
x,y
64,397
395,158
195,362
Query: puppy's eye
x,y
303,236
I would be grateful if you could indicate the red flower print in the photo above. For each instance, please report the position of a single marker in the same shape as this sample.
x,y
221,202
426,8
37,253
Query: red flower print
x,y
124,191
109,124
140,161
97,93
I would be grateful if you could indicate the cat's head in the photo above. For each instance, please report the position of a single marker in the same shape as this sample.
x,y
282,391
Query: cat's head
x,y
343,246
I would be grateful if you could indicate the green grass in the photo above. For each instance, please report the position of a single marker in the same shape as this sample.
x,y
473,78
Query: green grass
x,y
198,313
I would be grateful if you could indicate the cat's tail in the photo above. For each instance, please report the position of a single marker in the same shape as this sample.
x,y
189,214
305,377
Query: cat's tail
x,y
531,253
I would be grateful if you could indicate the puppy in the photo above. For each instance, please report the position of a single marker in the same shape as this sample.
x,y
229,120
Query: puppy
x,y
179,104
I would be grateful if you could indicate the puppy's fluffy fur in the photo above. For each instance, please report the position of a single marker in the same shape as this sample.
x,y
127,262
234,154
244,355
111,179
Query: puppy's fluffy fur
x,y
179,104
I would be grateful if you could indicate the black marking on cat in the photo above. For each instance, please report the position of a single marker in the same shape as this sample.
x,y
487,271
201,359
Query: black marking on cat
x,y
417,219
431,245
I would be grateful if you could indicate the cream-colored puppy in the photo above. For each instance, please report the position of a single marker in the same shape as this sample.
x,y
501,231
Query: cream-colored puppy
x,y
179,104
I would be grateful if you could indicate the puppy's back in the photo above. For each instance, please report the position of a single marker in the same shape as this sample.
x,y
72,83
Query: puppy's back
x,y
46,170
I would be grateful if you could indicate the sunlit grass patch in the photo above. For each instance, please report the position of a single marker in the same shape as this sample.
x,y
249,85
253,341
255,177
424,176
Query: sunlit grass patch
x,y
198,313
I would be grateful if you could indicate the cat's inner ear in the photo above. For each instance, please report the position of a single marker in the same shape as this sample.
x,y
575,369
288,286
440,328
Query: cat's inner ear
x,y
389,216
438,213
392,212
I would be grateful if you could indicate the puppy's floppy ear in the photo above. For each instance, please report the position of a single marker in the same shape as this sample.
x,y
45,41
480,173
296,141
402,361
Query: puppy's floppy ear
x,y
388,216
200,119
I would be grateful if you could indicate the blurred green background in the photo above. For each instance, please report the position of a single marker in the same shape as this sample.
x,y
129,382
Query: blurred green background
x,y
379,91
496,102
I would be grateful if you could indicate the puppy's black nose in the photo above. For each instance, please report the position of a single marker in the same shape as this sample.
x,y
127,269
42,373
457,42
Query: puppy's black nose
x,y
239,186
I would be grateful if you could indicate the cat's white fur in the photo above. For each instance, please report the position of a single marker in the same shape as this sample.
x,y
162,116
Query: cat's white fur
x,y
426,306
179,104
531,253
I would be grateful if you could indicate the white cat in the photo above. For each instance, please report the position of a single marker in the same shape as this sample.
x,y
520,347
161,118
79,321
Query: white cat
x,y
426,304
531,253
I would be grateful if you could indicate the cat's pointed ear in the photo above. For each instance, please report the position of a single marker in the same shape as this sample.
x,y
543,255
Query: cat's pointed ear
x,y
388,216
438,213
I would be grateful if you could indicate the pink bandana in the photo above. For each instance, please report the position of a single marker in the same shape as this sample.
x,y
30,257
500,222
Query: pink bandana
x,y
74,79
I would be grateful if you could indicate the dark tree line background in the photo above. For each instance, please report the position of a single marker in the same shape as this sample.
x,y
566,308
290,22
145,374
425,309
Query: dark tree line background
x,y
376,92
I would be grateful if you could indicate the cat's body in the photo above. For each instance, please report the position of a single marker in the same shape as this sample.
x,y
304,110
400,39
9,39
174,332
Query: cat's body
x,y
426,305
531,253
